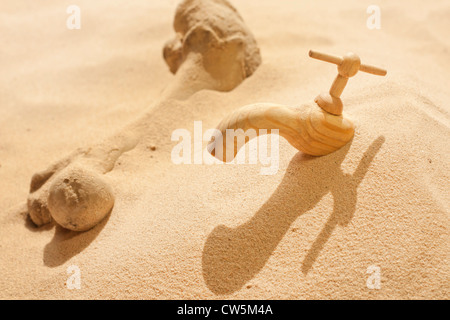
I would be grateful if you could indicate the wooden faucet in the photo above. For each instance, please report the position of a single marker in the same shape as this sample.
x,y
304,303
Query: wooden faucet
x,y
315,128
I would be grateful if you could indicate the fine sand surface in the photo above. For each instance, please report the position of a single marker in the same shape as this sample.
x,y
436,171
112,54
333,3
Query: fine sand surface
x,y
310,231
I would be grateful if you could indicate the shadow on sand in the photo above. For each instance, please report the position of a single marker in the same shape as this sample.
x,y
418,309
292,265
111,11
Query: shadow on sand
x,y
232,257
65,243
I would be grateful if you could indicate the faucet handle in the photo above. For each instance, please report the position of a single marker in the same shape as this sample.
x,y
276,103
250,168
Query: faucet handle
x,y
348,66
339,61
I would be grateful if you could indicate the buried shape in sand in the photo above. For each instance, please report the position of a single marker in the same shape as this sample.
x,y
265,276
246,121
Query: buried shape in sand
x,y
212,49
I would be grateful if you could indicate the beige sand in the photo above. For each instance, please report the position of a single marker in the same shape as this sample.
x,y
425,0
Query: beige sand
x,y
196,231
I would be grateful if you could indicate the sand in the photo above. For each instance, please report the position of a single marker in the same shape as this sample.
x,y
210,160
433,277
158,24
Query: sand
x,y
310,231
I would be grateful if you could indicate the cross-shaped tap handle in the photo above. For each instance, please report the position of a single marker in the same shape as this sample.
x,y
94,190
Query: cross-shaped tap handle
x,y
348,66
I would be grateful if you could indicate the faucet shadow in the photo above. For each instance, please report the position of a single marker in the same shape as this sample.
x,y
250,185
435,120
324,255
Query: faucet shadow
x,y
67,243
232,257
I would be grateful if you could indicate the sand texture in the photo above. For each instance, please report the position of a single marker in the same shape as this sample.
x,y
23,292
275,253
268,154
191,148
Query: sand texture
x,y
86,118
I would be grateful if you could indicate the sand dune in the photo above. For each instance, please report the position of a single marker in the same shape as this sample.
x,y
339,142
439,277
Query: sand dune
x,y
311,231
